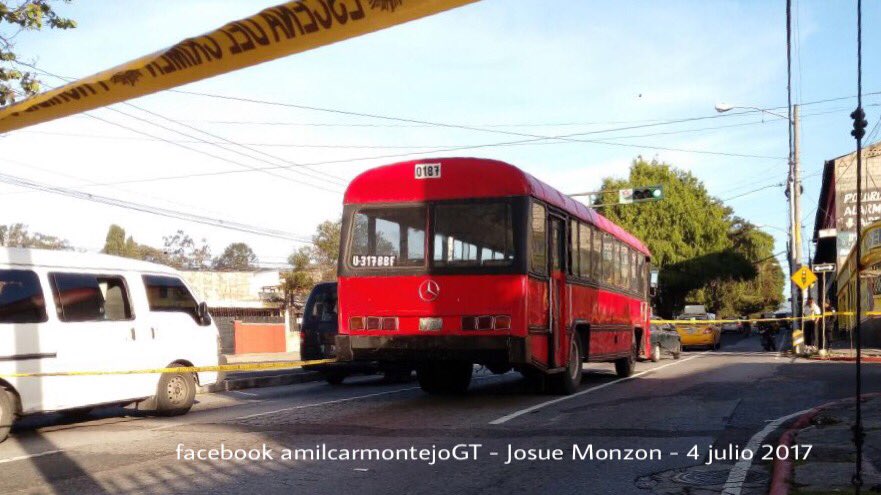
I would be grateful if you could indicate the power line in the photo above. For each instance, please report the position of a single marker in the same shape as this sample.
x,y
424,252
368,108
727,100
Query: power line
x,y
153,210
310,173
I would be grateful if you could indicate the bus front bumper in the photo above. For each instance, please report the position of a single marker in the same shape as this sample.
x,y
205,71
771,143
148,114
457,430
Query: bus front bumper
x,y
477,348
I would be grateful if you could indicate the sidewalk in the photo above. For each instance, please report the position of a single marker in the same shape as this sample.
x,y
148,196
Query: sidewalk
x,y
830,465
840,350
238,380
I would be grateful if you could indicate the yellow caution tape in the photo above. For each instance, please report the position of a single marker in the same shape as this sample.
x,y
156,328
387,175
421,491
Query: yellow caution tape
x,y
181,369
288,28
760,320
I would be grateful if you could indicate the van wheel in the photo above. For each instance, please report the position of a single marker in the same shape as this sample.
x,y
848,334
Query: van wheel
x,y
445,377
7,413
656,353
567,382
176,394
625,366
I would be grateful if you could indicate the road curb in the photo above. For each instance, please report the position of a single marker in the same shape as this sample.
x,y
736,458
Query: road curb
x,y
865,359
231,384
781,469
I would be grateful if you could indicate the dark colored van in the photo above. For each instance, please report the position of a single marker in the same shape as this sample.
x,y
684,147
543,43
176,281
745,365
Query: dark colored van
x,y
318,339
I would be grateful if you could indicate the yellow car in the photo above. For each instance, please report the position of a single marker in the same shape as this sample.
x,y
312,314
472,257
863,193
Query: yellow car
x,y
698,332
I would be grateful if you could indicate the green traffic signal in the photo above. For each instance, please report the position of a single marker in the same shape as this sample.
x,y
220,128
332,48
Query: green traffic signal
x,y
652,193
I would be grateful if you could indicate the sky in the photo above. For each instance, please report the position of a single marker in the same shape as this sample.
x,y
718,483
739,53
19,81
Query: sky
x,y
507,66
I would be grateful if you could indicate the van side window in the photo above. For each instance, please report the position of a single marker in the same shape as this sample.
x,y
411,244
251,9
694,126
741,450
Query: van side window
x,y
21,297
90,297
166,293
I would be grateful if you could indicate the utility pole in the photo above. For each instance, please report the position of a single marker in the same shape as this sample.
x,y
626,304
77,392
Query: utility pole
x,y
795,261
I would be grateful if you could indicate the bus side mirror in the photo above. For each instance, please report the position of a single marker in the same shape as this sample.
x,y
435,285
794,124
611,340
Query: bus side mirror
x,y
653,283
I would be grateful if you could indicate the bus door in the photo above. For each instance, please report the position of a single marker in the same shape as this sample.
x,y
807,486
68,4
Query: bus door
x,y
556,290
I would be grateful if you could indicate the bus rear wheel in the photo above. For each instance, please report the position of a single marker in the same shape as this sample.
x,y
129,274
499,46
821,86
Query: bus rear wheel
x,y
445,377
625,366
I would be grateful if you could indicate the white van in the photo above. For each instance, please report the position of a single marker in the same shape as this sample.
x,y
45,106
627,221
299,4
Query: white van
x,y
62,311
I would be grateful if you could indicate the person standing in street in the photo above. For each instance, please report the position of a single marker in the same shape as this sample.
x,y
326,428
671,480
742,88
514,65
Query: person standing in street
x,y
812,314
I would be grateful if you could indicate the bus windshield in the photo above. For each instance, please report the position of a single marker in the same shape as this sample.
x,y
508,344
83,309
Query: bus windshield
x,y
461,234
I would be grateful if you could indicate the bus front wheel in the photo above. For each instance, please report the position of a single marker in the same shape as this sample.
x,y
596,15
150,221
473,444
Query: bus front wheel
x,y
567,382
445,377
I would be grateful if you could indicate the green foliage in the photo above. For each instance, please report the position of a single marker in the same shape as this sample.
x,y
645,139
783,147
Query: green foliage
x,y
184,254
117,244
238,256
18,235
318,262
28,15
705,255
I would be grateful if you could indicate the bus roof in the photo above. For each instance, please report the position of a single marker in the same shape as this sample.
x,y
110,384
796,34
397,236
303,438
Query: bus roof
x,y
463,178
46,258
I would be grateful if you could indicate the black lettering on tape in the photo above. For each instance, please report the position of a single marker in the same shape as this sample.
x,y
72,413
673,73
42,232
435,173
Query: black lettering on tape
x,y
342,16
312,26
357,15
325,21
262,38
275,24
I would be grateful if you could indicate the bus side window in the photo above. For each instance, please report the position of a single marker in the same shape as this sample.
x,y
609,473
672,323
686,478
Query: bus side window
x,y
539,241
634,271
625,267
596,256
572,255
608,257
584,254
616,263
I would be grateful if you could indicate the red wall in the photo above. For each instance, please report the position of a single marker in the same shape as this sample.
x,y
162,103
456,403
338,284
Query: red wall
x,y
259,337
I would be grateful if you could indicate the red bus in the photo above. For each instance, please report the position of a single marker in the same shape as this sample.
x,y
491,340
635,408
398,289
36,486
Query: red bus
x,y
455,261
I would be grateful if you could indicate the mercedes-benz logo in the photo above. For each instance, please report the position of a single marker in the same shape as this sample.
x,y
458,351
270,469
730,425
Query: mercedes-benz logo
x,y
429,290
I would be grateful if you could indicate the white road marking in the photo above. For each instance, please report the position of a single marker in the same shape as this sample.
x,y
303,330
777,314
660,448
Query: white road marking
x,y
317,404
516,414
30,456
245,393
738,473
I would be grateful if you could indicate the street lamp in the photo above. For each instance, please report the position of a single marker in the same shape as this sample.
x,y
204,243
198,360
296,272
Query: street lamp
x,y
793,193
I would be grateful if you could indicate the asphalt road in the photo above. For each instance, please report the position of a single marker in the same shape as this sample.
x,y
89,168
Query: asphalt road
x,y
705,398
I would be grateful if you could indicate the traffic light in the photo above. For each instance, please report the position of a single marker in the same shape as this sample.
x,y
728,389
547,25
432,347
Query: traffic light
x,y
859,123
640,195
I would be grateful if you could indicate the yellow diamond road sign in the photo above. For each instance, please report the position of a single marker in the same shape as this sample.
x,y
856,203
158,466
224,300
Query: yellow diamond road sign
x,y
804,278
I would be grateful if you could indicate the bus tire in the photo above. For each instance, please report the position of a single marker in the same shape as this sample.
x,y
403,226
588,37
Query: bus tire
x,y
7,413
656,353
176,394
568,382
335,377
445,378
624,366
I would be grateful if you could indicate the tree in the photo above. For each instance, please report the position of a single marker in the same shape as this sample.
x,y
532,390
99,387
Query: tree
x,y
705,255
17,235
317,262
116,243
28,15
238,256
184,254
